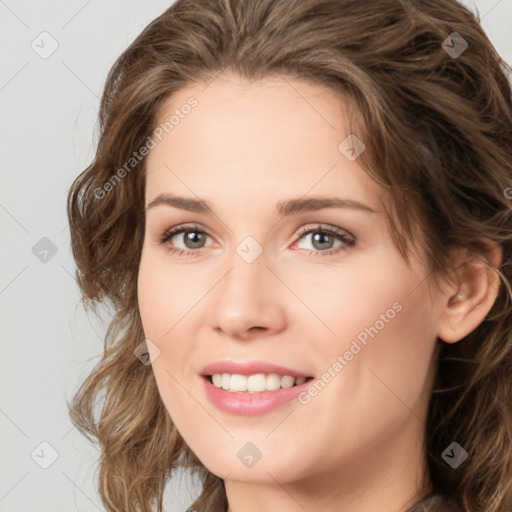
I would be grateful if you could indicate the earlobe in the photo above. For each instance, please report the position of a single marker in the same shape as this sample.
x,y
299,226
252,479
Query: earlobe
x,y
468,303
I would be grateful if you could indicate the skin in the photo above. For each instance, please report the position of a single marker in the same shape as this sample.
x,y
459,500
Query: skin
x,y
359,443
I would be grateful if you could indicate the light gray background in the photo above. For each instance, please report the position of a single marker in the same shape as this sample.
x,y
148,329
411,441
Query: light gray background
x,y
48,132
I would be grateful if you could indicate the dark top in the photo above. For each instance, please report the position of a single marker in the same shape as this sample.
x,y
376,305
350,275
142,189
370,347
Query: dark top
x,y
435,503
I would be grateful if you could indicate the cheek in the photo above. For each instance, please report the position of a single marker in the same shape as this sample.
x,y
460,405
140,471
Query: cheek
x,y
362,300
404,319
402,360
164,295
161,309
167,300
152,300
383,328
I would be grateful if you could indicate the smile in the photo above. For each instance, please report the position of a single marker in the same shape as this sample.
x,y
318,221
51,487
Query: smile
x,y
252,403
256,383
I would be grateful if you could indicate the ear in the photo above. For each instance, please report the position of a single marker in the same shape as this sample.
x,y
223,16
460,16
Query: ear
x,y
467,302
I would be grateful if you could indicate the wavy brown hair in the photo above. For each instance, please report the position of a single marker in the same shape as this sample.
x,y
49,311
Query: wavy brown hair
x,y
438,136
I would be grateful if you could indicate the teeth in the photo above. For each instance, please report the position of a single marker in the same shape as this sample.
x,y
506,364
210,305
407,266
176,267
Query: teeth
x,y
217,380
254,383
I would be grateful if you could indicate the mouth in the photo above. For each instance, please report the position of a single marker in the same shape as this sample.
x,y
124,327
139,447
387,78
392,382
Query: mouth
x,y
254,394
256,383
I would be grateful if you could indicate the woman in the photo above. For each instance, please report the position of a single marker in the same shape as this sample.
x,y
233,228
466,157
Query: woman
x,y
372,374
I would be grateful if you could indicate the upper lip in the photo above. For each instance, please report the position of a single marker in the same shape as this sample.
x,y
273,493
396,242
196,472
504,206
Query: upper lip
x,y
250,368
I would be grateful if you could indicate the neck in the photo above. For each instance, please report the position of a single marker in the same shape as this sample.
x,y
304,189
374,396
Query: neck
x,y
390,477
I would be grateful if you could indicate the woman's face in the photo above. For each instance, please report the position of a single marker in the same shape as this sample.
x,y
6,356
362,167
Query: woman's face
x,y
250,282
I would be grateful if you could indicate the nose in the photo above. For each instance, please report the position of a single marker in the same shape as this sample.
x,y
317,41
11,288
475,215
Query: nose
x,y
249,301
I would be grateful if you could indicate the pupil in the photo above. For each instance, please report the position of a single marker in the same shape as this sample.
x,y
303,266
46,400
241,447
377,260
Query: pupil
x,y
316,235
193,236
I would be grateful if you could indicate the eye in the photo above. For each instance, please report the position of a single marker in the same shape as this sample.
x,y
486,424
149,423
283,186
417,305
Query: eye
x,y
322,239
194,236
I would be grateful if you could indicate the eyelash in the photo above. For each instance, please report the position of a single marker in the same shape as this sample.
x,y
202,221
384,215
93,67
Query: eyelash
x,y
170,233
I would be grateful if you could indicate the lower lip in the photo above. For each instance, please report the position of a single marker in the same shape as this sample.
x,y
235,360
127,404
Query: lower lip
x,y
251,404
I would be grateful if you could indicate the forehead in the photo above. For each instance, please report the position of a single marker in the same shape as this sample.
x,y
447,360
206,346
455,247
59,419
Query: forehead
x,y
270,133
231,88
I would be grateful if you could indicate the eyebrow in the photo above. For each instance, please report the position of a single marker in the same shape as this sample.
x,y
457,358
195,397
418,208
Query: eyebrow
x,y
284,208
